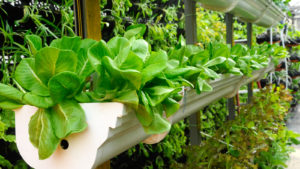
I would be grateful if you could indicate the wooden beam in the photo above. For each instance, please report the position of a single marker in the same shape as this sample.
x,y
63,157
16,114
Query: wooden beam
x,y
92,20
105,165
87,19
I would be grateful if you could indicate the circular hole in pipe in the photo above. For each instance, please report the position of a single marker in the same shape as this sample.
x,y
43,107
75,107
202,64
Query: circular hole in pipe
x,y
64,144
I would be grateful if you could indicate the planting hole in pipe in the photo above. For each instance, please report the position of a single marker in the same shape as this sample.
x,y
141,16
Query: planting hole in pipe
x,y
64,144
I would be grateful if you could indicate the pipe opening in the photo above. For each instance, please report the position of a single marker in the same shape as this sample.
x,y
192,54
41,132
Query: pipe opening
x,y
64,144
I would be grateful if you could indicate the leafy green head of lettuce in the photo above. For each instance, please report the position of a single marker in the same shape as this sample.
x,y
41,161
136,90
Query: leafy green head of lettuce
x,y
51,79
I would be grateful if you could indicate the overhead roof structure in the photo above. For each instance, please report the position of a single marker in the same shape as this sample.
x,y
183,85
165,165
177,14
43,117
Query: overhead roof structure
x,y
294,6
260,12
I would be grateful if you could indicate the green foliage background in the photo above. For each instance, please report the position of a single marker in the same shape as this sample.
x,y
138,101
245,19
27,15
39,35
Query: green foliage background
x,y
256,138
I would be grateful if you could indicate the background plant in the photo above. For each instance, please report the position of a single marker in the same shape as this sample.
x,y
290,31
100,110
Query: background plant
x,y
249,140
160,155
213,116
164,20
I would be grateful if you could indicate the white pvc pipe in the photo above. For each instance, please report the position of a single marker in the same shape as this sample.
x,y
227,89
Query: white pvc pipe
x,y
261,12
124,139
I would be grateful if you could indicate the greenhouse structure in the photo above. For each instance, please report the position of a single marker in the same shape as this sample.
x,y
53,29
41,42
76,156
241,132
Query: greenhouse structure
x,y
150,84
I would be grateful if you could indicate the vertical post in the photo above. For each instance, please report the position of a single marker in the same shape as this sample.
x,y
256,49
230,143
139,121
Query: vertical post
x,y
271,42
283,35
293,21
87,18
249,43
250,92
191,38
190,21
229,40
271,35
290,50
77,5
88,25
229,28
231,108
249,35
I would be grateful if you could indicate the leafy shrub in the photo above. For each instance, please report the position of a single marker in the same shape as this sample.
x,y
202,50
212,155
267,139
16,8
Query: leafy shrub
x,y
249,140
213,116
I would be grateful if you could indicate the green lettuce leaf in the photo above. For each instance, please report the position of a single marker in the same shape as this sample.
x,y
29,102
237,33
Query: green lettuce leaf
x,y
63,85
171,106
34,42
38,101
137,31
158,125
84,66
67,43
27,77
116,45
154,65
41,133
202,86
50,61
68,117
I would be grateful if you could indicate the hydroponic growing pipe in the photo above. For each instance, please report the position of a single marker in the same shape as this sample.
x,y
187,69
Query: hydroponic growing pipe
x,y
260,12
130,132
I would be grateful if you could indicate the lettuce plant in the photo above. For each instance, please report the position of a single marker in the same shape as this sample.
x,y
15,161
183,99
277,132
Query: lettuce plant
x,y
129,72
56,78
50,79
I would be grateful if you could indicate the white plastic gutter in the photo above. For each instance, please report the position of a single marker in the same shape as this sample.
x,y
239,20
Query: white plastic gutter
x,y
261,12
129,131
